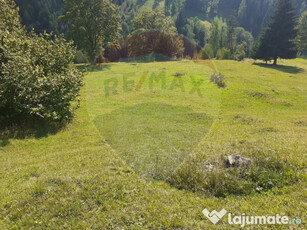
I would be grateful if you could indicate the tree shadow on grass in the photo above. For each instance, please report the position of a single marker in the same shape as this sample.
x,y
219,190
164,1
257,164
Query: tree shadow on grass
x,y
282,68
97,68
4,143
147,58
28,127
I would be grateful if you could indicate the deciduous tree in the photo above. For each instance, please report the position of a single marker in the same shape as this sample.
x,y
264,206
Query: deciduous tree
x,y
153,20
93,23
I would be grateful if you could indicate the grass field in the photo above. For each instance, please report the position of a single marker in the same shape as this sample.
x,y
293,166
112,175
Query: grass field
x,y
134,156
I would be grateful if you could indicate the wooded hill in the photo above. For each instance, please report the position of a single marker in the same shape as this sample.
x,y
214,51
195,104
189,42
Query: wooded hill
x,y
252,15
42,14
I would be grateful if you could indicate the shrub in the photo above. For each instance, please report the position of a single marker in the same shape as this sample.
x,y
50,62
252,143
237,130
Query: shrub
x,y
218,79
37,76
117,50
223,53
190,48
147,44
155,42
197,55
207,52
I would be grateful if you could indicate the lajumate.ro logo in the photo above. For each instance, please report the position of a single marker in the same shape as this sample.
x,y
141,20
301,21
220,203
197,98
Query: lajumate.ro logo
x,y
245,220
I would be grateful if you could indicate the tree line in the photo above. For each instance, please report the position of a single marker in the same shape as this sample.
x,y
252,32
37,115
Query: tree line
x,y
232,32
222,39
252,15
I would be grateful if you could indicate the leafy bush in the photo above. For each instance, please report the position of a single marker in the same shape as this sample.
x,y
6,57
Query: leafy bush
x,y
223,54
218,79
197,55
37,76
155,42
117,50
144,45
207,52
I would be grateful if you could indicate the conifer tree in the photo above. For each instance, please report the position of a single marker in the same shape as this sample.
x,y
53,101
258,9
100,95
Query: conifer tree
x,y
278,39
181,23
302,33
231,36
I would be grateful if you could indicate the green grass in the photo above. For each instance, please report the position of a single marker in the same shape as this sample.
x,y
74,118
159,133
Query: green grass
x,y
153,138
110,167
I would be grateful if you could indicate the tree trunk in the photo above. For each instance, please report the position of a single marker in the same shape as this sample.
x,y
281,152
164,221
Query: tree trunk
x,y
94,60
275,61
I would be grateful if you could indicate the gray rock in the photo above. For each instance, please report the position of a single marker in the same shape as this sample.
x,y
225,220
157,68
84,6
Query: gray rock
x,y
236,160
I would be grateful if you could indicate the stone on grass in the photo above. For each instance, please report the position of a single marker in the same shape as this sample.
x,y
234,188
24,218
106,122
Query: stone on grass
x,y
236,161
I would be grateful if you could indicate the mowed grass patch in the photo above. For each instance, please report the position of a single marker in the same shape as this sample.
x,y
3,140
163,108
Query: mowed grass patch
x,y
154,114
154,138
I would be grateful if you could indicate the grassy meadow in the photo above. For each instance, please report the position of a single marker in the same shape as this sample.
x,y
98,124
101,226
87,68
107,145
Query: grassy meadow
x,y
135,155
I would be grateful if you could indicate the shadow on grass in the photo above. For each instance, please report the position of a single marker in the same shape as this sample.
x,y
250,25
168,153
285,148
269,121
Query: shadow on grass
x,y
90,68
29,127
4,143
283,68
147,58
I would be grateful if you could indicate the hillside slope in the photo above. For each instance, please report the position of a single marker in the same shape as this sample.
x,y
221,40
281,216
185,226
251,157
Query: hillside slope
x,y
78,179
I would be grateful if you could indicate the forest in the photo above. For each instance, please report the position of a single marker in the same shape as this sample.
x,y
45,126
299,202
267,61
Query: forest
x,y
221,29
252,15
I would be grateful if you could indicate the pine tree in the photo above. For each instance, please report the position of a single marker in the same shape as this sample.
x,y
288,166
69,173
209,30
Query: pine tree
x,y
302,33
261,49
180,23
231,37
278,39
